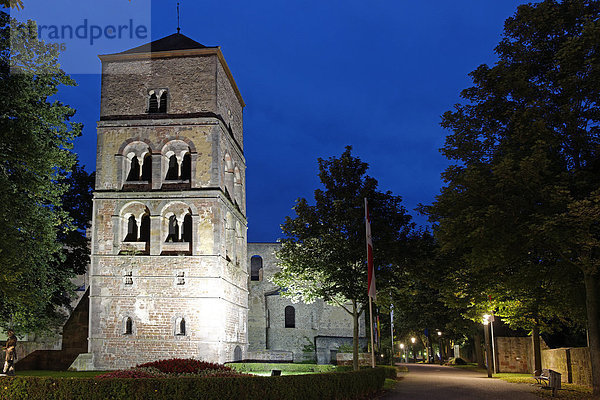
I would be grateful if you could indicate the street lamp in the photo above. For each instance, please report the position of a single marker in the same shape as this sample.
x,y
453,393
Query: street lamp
x,y
403,351
413,340
440,346
488,350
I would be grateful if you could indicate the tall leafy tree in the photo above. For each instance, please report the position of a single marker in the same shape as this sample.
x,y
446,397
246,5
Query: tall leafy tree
x,y
323,254
522,197
35,156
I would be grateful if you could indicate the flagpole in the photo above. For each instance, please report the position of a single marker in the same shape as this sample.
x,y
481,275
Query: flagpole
x,y
371,320
371,289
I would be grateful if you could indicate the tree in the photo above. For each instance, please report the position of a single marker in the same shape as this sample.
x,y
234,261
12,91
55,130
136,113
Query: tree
x,y
35,156
522,197
323,254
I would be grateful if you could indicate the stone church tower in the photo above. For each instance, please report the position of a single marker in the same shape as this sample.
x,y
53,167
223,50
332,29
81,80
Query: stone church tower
x,y
168,275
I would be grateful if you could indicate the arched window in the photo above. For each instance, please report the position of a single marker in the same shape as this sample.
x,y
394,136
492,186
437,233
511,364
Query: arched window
x,y
145,229
180,327
162,105
132,230
290,317
128,328
134,171
173,171
256,265
147,168
153,103
237,353
187,229
186,167
173,230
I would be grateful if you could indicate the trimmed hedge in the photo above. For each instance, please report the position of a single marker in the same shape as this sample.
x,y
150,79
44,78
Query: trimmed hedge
x,y
266,367
329,386
390,371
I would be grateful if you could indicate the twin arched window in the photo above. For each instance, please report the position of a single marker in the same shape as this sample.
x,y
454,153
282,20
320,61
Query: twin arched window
x,y
179,171
141,172
180,233
157,101
137,233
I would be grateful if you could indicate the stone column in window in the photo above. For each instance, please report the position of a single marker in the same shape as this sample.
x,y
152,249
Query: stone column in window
x,y
157,173
138,221
180,230
155,235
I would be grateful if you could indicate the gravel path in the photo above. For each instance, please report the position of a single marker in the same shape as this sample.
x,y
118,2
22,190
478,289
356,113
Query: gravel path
x,y
425,382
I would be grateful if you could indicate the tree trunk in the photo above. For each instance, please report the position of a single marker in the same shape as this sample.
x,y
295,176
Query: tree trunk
x,y
477,348
355,336
592,308
537,352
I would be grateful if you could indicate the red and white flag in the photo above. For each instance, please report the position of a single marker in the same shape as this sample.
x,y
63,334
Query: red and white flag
x,y
372,292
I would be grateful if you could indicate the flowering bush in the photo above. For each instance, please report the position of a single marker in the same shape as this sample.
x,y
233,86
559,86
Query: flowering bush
x,y
174,367
186,366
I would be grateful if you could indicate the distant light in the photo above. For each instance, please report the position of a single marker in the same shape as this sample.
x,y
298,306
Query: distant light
x,y
439,333
412,339
401,345
486,319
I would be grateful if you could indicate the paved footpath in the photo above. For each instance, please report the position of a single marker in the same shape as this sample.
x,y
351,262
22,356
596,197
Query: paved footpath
x,y
433,382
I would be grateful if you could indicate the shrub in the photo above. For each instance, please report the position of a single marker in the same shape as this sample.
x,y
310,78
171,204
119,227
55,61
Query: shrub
x,y
184,366
329,386
457,361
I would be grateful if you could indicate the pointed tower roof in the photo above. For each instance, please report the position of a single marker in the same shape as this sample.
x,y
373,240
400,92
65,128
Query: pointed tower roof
x,y
176,41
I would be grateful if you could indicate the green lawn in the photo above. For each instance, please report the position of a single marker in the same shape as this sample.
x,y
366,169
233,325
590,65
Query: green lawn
x,y
567,391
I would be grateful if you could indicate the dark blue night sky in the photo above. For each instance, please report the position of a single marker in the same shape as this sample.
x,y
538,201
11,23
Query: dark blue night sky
x,y
319,75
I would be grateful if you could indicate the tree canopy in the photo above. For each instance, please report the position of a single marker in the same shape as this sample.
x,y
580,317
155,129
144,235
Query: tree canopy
x,y
323,253
35,158
521,201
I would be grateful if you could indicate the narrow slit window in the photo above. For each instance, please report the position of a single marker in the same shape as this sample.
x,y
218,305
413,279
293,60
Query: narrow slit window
x,y
180,327
128,278
256,265
128,326
181,278
162,104
153,103
290,317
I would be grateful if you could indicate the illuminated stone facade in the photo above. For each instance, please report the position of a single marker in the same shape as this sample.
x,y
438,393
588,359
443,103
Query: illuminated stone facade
x,y
168,273
281,330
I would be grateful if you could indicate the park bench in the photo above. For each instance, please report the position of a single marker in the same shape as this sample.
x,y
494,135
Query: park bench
x,y
542,377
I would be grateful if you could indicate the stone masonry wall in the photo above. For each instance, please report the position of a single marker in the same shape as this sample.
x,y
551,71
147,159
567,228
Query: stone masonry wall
x,y
572,363
331,326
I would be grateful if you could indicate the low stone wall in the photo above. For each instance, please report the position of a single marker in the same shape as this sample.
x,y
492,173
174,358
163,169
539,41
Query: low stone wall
x,y
581,366
572,363
346,358
513,354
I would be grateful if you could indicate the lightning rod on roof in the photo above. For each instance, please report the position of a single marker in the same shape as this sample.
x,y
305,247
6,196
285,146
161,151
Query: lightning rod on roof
x,y
178,28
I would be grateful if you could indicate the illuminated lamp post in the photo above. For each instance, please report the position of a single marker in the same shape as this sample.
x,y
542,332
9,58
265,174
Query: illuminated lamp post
x,y
440,345
402,350
488,350
413,340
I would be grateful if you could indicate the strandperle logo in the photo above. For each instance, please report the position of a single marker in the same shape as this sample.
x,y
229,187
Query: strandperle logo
x,y
92,32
